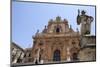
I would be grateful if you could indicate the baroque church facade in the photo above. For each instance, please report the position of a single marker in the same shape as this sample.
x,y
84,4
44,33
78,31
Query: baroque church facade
x,y
57,42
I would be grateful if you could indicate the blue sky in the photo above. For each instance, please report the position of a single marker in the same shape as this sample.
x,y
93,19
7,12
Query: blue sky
x,y
28,17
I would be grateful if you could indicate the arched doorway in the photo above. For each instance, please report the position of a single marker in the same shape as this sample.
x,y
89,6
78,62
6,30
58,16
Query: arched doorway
x,y
56,55
75,57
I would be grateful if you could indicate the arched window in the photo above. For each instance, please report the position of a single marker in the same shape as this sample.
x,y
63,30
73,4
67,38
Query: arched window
x,y
56,55
41,43
57,30
73,42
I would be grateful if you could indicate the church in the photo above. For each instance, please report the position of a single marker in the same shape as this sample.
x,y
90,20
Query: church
x,y
58,42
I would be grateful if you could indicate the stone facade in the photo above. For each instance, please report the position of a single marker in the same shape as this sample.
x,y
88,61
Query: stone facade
x,y
88,48
27,56
57,42
17,53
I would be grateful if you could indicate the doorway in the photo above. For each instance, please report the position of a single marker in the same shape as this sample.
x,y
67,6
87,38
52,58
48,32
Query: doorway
x,y
56,55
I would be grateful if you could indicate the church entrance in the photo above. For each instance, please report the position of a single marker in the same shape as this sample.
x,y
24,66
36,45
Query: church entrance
x,y
56,55
75,56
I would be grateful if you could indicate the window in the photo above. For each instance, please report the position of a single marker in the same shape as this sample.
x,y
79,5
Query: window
x,y
73,42
57,30
41,43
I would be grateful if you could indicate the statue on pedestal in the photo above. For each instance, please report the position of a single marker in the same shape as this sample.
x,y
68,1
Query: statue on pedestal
x,y
85,22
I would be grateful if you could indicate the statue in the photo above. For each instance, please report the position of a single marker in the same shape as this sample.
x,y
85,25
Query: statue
x,y
37,32
85,22
36,59
68,54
